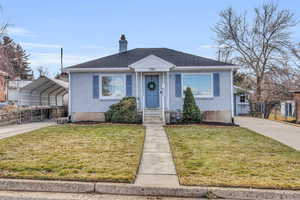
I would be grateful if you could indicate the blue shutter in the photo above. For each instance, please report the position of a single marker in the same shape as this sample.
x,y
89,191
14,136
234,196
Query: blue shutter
x,y
128,85
95,87
216,78
178,90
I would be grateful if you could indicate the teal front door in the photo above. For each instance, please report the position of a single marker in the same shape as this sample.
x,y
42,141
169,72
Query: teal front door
x,y
152,91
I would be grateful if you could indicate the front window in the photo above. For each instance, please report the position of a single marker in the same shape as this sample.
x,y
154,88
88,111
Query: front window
x,y
112,86
201,84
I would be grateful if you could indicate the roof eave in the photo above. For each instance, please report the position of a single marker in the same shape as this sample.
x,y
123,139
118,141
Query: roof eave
x,y
102,69
226,67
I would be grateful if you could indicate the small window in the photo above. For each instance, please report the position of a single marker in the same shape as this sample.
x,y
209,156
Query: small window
x,y
242,98
112,86
201,84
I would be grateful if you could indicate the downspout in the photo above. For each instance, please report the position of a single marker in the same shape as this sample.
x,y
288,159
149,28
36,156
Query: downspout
x,y
231,91
142,98
163,96
137,90
69,98
168,97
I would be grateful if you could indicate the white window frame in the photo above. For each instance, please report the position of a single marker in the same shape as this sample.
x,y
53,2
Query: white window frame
x,y
111,97
198,96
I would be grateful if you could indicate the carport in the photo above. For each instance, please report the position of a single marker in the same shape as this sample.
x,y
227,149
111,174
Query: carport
x,y
44,91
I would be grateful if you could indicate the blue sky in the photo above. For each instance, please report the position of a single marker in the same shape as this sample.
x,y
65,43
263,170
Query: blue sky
x,y
91,29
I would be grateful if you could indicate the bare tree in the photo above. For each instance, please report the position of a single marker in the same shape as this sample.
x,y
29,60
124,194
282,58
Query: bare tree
x,y
43,71
296,53
3,24
259,45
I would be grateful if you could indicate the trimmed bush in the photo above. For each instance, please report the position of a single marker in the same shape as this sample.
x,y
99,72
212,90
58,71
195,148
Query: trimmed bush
x,y
123,112
191,112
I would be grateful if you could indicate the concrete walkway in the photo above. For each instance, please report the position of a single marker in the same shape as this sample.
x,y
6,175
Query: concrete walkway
x,y
284,133
11,130
157,167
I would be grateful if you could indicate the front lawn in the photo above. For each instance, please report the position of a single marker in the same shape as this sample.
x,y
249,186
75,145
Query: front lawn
x,y
74,152
232,156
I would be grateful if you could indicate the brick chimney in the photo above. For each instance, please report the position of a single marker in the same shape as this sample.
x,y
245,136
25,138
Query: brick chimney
x,y
122,44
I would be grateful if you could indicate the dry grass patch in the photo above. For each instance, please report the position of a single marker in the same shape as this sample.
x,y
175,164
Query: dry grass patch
x,y
232,156
74,152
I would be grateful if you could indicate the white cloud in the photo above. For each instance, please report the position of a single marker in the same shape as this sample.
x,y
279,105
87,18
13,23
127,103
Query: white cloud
x,y
18,31
50,59
93,46
40,45
209,46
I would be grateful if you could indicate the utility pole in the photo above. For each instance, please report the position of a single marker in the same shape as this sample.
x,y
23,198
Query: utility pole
x,y
61,60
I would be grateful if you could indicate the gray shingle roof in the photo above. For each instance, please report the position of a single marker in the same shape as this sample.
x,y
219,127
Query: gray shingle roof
x,y
126,58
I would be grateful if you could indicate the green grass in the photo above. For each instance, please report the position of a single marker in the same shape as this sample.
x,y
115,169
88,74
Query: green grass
x,y
74,152
232,156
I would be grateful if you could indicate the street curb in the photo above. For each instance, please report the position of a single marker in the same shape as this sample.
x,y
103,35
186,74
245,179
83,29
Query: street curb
x,y
127,189
46,186
131,189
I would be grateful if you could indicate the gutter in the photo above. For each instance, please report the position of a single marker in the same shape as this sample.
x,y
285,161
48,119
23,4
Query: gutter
x,y
126,69
206,67
119,69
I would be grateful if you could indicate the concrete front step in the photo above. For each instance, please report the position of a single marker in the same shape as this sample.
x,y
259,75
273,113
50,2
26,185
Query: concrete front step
x,y
152,116
152,113
153,122
152,119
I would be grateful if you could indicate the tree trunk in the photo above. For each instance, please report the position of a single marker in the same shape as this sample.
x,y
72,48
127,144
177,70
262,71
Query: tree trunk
x,y
258,89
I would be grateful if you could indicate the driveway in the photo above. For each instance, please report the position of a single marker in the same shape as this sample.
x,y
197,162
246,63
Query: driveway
x,y
11,130
284,133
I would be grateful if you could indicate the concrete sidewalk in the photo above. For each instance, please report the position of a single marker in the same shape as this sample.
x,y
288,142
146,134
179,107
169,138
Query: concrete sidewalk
x,y
157,167
11,130
284,133
98,188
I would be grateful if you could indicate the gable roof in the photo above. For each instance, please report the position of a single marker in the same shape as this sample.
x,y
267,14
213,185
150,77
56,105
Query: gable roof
x,y
127,58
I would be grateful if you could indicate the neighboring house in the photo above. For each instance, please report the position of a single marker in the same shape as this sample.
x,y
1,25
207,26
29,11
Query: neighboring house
x,y
157,77
296,93
3,86
241,101
13,89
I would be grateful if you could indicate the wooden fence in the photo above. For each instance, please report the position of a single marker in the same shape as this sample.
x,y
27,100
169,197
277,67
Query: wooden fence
x,y
32,114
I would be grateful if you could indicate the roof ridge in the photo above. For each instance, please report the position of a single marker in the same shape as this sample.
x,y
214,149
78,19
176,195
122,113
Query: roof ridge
x,y
124,59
